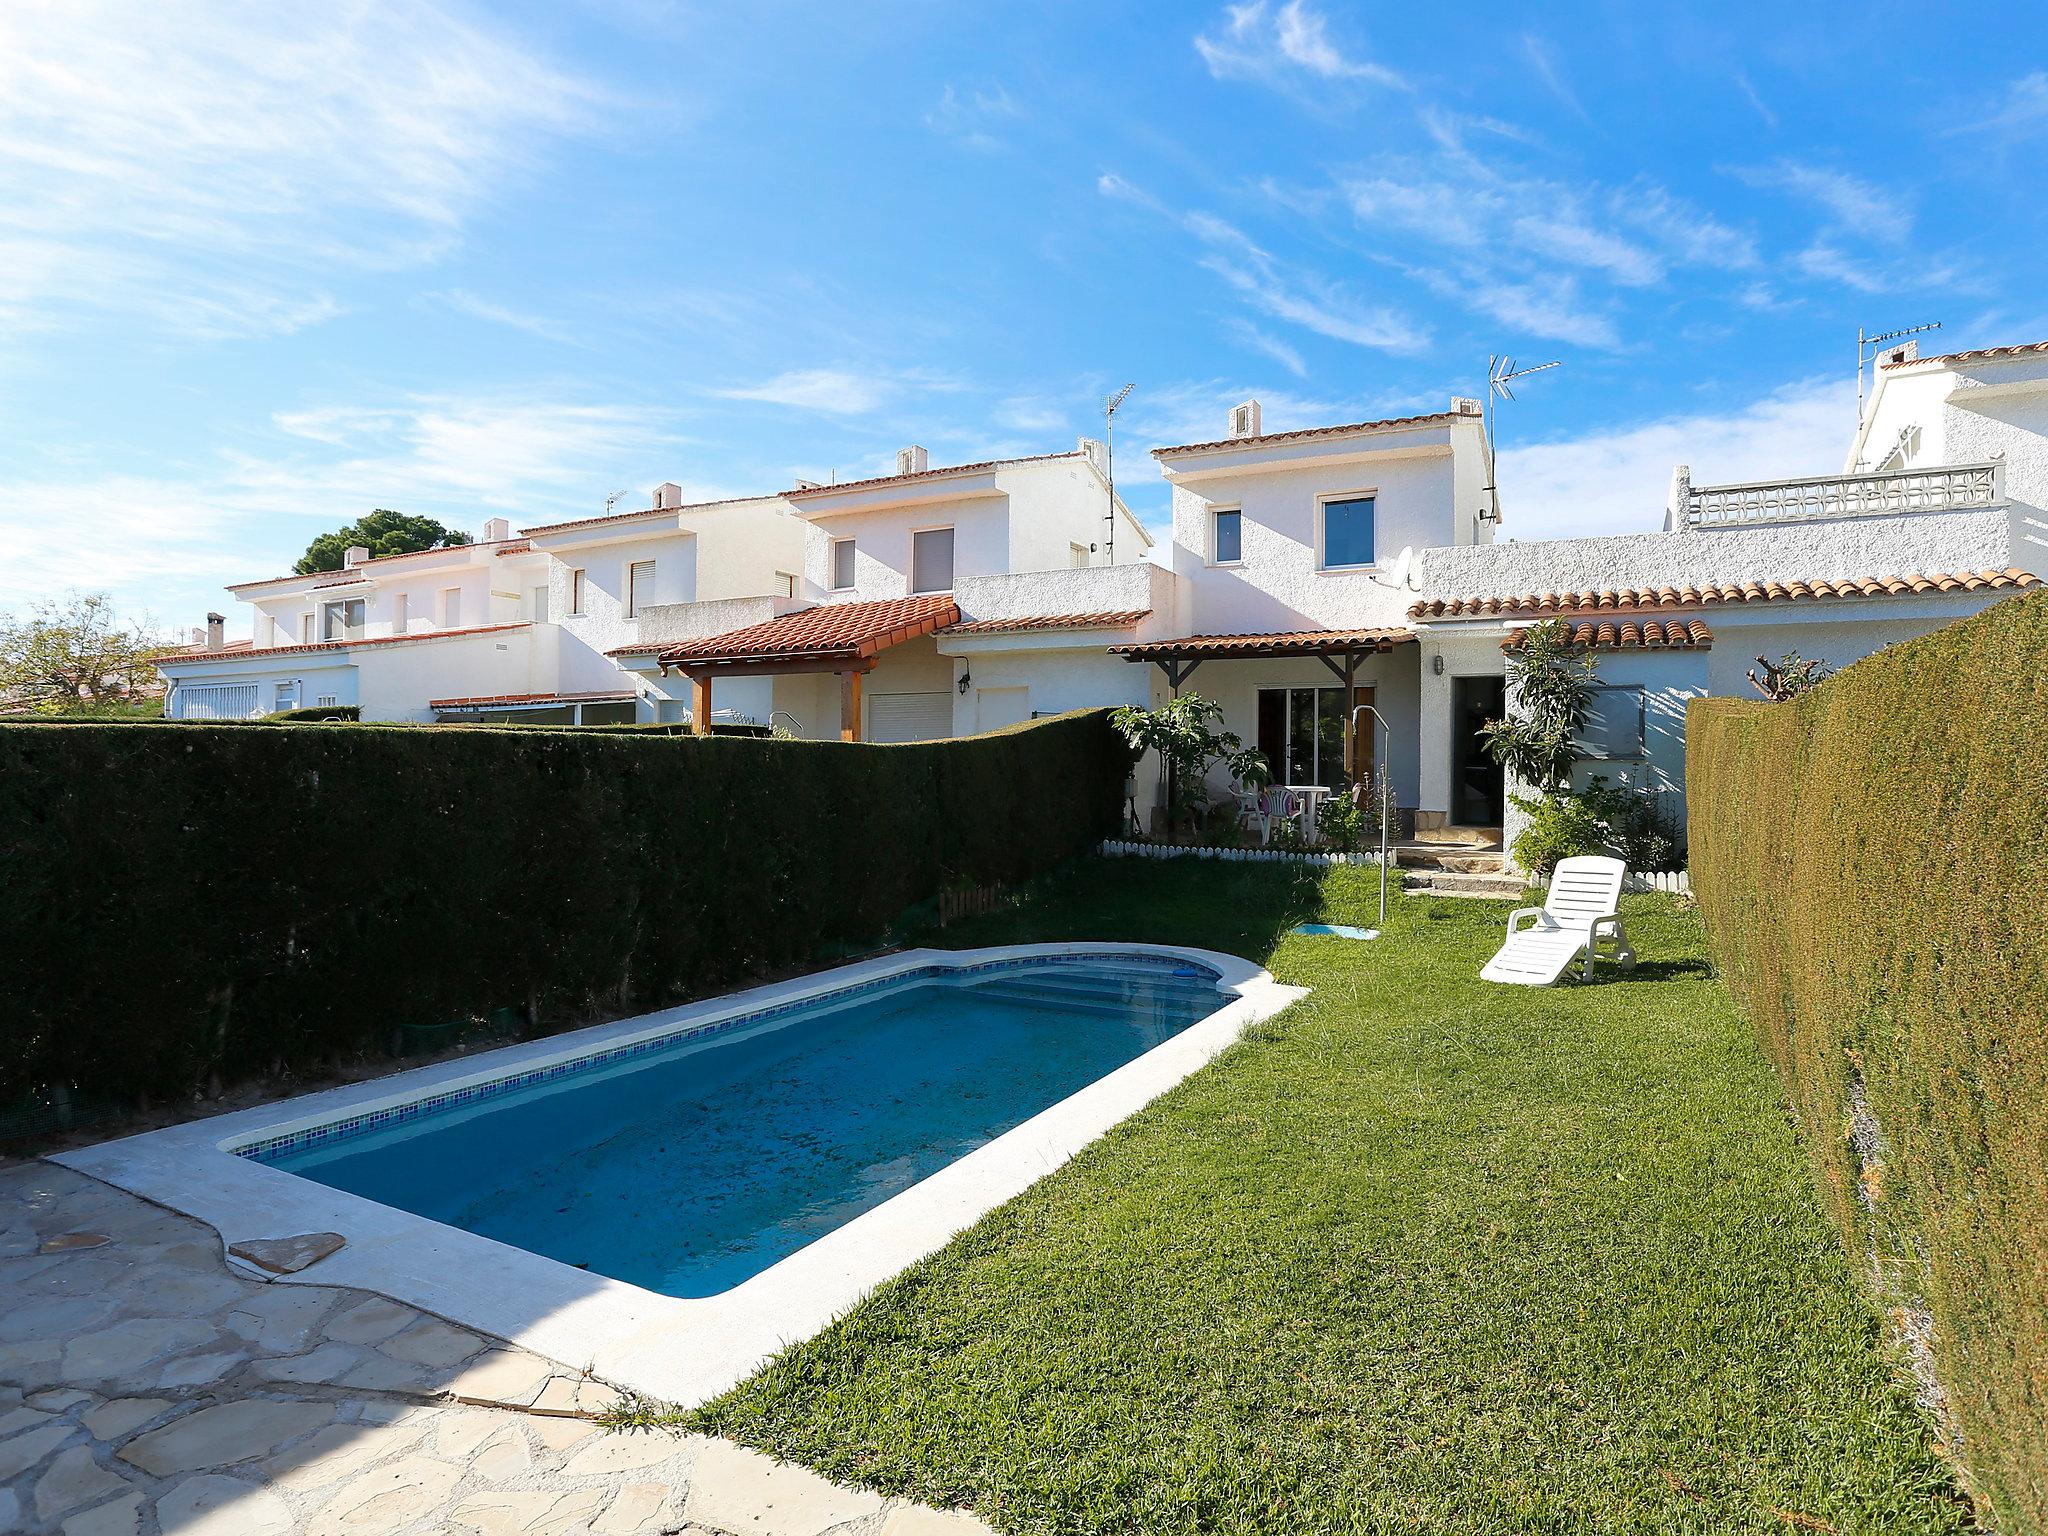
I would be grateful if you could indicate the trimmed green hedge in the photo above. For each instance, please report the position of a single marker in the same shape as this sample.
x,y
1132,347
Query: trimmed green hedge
x,y
192,900
1872,862
313,713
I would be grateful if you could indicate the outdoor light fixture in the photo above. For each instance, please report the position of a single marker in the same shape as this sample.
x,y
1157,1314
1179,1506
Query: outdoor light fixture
x,y
1436,664
965,679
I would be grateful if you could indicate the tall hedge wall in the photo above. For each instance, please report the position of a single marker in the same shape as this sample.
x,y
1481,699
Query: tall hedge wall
x,y
178,901
1872,863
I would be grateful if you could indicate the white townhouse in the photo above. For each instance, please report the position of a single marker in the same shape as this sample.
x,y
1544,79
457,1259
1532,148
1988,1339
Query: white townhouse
x,y
1363,564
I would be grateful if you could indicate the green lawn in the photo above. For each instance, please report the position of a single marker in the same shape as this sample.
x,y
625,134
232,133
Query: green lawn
x,y
1423,1254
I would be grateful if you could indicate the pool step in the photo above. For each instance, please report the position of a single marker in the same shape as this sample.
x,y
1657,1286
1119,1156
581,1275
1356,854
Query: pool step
x,y
1122,988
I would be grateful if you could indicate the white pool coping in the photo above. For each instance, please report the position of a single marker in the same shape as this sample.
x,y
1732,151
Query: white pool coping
x,y
684,1351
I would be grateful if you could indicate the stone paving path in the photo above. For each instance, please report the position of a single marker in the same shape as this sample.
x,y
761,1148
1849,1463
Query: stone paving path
x,y
148,1390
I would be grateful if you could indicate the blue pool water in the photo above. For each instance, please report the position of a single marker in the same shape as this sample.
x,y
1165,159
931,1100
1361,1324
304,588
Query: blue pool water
x,y
692,1167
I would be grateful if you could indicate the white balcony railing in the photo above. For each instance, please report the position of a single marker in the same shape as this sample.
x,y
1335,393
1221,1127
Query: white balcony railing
x,y
1945,488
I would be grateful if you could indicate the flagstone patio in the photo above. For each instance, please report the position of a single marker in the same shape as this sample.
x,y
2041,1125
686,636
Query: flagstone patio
x,y
146,1389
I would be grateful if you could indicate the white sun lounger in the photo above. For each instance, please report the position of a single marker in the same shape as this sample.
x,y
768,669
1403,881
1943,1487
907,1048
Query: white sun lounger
x,y
1579,914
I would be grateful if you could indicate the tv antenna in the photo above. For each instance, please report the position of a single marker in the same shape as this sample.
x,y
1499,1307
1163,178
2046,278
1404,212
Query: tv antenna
x,y
1109,410
1863,341
1501,374
612,501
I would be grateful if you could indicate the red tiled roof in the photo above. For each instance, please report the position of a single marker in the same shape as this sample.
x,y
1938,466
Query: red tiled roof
x,y
1299,642
1632,634
505,547
200,652
1668,599
318,647
1982,354
834,631
1120,620
928,474
626,517
1307,433
591,696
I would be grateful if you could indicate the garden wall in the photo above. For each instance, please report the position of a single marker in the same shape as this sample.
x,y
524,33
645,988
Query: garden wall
x,y
182,901
1872,864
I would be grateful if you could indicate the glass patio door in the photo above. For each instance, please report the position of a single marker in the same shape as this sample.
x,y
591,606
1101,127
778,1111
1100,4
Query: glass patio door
x,y
1301,734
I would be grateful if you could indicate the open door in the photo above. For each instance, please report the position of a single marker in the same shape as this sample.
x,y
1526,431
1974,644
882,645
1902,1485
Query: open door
x,y
1478,784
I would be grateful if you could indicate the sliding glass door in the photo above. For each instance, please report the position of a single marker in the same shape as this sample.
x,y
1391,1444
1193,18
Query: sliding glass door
x,y
1301,734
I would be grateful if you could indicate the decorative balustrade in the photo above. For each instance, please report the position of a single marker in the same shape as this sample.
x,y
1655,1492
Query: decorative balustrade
x,y
1946,488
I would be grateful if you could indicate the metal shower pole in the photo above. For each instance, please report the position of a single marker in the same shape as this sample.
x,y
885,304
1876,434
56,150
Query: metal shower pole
x,y
1356,711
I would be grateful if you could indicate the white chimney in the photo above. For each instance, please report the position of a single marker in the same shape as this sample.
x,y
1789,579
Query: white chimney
x,y
355,555
1464,405
1904,352
912,460
1096,453
809,485
216,631
198,636
497,530
1244,419
667,496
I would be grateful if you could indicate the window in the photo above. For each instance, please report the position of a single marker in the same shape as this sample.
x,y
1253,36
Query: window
x,y
788,581
305,629
1077,556
451,607
401,612
1301,734
576,593
842,565
342,619
639,587
1613,731
1226,536
285,696
537,610
931,560
1347,532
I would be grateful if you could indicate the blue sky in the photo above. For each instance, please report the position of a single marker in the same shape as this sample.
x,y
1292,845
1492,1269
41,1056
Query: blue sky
x,y
265,267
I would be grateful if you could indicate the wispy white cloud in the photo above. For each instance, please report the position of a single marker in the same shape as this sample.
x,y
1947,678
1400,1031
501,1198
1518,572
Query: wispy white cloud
x,y
2023,115
462,301
837,391
1277,289
974,116
1287,357
1544,63
168,538
1614,479
1847,201
1756,100
1283,45
226,155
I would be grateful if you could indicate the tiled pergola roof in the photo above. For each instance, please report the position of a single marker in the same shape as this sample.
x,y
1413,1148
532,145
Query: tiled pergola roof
x,y
1536,605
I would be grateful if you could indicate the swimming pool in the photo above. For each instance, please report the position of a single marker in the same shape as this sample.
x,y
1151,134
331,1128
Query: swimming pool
x,y
702,1158
736,1172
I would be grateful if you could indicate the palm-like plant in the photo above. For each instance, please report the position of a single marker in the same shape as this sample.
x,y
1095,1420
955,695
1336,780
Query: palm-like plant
x,y
1550,686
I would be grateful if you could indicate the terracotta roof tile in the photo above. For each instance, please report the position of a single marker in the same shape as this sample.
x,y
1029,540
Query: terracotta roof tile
x,y
1119,620
1307,433
320,647
1632,634
849,631
1982,354
1295,642
1674,599
802,491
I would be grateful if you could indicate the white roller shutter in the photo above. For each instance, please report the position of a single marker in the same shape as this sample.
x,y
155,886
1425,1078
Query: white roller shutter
x,y
218,701
910,716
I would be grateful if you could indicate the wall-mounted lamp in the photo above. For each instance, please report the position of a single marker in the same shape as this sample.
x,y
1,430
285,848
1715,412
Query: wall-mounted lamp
x,y
1436,664
965,679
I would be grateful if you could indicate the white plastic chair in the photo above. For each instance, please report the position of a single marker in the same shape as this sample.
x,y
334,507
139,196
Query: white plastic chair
x,y
1264,806
1578,914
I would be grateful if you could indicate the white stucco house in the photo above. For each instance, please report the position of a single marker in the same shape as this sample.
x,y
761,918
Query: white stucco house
x,y
1310,573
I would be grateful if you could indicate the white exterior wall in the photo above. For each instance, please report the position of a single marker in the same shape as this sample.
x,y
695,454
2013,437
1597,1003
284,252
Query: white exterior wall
x,y
1060,503
495,590
981,544
395,682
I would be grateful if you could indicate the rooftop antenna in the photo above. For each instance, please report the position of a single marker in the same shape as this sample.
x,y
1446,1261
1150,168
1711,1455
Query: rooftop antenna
x,y
1501,372
612,501
1863,341
1109,409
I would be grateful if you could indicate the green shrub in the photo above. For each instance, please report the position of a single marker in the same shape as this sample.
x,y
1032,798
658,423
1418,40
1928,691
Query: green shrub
x,y
183,900
1872,862
1601,818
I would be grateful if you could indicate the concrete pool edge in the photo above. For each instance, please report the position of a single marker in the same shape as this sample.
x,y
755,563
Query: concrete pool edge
x,y
680,1350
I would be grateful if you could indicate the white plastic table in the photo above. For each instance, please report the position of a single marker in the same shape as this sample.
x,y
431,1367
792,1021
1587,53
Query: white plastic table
x,y
1312,797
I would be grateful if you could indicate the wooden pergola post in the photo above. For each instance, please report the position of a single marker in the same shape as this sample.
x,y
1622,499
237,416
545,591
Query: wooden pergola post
x,y
700,703
849,706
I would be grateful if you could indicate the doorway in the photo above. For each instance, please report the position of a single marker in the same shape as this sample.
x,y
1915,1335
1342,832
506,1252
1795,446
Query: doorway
x,y
1478,786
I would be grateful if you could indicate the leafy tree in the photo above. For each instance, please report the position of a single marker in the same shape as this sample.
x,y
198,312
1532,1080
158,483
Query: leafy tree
x,y
1550,683
1183,732
383,532
76,653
